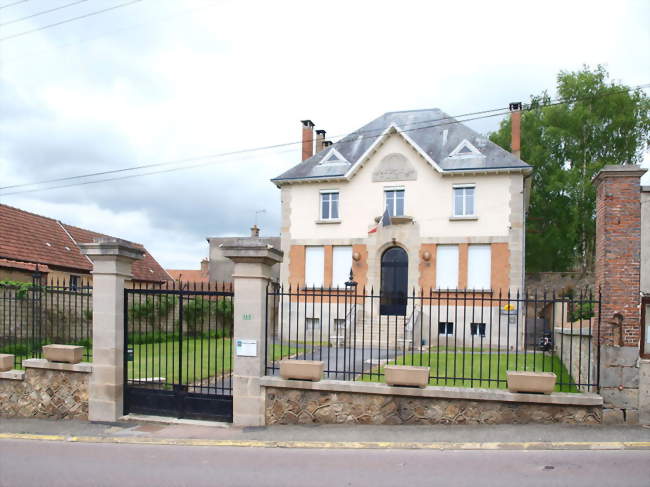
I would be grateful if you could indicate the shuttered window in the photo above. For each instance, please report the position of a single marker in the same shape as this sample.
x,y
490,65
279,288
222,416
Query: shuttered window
x,y
314,266
479,266
342,257
447,267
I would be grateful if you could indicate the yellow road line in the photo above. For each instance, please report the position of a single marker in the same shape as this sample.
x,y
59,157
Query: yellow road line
x,y
353,445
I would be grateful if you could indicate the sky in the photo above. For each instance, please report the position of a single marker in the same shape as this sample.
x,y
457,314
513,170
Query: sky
x,y
152,81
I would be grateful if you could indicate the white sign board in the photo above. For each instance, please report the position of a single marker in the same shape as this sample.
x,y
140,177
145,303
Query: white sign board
x,y
246,348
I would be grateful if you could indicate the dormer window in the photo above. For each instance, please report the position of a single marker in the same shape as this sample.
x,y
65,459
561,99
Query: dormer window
x,y
333,157
465,149
329,205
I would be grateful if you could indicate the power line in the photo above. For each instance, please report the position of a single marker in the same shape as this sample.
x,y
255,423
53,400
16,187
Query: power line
x,y
43,12
12,4
378,132
89,14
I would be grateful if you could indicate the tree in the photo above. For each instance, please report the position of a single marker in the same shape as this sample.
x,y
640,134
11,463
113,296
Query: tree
x,y
596,122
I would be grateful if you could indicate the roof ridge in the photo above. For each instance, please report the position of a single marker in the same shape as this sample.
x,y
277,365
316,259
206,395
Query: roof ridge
x,y
415,110
67,225
29,212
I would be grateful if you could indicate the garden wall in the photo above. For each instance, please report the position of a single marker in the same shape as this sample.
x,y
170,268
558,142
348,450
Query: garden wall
x,y
45,390
336,402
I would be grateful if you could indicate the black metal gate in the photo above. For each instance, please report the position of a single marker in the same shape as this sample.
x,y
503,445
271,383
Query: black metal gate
x,y
178,351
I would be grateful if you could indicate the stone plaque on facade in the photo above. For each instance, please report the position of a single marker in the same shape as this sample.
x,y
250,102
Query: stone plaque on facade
x,y
394,167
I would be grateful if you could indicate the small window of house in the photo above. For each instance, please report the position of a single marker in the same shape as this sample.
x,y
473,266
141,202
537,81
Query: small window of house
x,y
447,266
329,205
464,200
395,201
479,266
314,266
312,324
74,283
342,263
445,328
477,329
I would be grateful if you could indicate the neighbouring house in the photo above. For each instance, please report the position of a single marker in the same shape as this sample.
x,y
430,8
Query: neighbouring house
x,y
191,275
220,268
413,200
30,242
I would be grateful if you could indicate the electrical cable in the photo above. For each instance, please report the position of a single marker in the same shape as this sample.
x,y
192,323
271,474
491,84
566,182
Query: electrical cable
x,y
42,12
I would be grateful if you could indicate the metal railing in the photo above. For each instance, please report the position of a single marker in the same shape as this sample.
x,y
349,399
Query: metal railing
x,y
37,313
466,338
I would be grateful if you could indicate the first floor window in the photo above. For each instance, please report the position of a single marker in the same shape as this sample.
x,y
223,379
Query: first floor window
x,y
479,266
445,328
314,266
395,202
464,201
447,266
342,263
329,205
478,329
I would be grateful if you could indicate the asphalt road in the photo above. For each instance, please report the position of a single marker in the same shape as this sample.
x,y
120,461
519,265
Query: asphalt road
x,y
26,463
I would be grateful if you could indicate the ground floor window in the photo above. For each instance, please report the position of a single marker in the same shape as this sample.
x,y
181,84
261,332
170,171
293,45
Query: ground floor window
x,y
478,329
445,328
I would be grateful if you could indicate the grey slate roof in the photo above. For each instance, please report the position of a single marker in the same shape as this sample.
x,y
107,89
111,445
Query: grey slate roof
x,y
426,129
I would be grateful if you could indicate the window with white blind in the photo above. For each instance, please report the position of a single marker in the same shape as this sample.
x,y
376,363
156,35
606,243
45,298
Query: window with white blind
x,y
314,266
447,267
342,262
479,266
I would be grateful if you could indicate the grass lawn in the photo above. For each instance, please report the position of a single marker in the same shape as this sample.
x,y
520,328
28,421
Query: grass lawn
x,y
469,369
202,358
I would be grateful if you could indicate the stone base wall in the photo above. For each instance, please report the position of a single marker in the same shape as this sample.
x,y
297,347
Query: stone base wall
x,y
45,393
297,406
619,384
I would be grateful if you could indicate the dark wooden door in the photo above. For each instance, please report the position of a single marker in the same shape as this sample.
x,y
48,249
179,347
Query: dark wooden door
x,y
394,281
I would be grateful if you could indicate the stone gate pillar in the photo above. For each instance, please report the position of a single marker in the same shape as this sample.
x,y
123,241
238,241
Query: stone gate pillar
x,y
252,273
618,263
112,260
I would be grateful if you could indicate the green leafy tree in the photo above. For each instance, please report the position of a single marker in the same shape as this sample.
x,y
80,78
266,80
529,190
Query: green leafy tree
x,y
598,122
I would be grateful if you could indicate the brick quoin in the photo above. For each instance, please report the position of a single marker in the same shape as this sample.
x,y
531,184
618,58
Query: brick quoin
x,y
618,251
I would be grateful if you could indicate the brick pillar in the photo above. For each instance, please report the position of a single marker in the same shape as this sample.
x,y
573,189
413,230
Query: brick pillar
x,y
618,261
112,260
252,273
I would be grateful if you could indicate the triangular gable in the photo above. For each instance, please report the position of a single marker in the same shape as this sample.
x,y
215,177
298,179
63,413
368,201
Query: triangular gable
x,y
390,130
333,157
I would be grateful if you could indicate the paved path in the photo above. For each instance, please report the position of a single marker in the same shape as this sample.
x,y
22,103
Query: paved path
x,y
25,463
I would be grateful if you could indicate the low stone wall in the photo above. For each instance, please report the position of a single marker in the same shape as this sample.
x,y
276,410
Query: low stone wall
x,y
619,384
300,402
45,390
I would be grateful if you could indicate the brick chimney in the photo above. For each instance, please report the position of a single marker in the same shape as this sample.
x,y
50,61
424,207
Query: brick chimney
x,y
515,118
307,139
204,266
320,139
255,231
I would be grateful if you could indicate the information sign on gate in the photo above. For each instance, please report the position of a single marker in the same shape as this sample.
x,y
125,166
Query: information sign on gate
x,y
246,348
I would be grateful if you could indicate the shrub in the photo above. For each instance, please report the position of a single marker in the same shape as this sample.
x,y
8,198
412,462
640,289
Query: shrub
x,y
582,311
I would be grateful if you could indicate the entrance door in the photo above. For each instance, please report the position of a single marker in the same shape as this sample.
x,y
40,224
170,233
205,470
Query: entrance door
x,y
394,282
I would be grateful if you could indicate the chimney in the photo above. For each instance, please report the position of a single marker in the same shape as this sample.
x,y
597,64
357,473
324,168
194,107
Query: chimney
x,y
320,138
255,231
515,118
204,266
307,139
327,143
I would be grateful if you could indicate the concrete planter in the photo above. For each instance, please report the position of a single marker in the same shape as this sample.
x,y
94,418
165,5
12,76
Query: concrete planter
x,y
406,375
538,382
6,362
302,369
70,354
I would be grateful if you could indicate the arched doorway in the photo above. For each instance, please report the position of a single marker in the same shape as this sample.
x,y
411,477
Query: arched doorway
x,y
394,281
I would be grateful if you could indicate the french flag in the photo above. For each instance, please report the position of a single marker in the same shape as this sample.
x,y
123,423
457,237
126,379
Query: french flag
x,y
384,222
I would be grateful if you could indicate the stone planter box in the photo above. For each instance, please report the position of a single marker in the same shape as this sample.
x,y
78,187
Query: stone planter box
x,y
70,354
406,375
6,362
302,369
538,382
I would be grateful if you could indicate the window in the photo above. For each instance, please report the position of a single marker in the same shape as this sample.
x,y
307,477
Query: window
x,y
445,328
342,263
477,329
645,346
464,200
479,266
74,283
447,266
312,324
395,201
339,325
314,266
329,205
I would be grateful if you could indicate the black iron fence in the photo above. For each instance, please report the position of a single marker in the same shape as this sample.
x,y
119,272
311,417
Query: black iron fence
x,y
466,338
33,314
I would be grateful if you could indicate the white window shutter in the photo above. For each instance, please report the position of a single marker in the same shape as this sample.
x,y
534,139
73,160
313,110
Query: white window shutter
x,y
341,266
479,267
447,267
314,266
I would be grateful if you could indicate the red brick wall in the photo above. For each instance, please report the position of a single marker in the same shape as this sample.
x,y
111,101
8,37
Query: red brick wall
x,y
618,254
